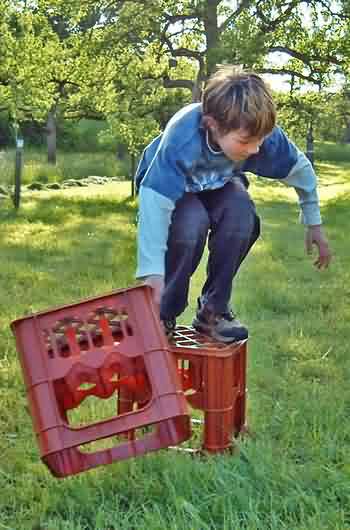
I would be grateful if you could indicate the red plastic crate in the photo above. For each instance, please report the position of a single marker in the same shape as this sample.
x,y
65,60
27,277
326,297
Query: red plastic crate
x,y
213,377
102,346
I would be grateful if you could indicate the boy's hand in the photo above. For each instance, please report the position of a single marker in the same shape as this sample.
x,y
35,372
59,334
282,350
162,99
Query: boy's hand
x,y
314,236
157,283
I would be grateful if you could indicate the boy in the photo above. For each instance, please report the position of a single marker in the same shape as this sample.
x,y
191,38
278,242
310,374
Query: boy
x,y
192,184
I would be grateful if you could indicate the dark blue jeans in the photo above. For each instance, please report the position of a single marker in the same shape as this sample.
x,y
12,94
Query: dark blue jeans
x,y
228,216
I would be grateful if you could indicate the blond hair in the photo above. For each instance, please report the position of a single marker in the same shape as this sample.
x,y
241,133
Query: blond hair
x,y
239,100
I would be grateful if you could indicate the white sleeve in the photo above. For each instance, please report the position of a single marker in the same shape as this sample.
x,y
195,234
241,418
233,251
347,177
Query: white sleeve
x,y
153,227
303,178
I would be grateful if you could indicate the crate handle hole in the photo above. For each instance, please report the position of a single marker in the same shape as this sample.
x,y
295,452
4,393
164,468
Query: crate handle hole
x,y
86,386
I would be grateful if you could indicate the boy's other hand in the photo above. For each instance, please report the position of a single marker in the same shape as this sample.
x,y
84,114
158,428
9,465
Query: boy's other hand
x,y
157,283
315,236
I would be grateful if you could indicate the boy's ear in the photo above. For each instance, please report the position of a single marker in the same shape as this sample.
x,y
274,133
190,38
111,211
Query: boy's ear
x,y
210,122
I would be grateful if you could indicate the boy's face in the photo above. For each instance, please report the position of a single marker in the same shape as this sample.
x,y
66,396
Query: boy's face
x,y
237,145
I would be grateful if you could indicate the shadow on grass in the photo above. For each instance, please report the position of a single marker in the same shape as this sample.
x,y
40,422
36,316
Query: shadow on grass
x,y
91,243
52,210
59,249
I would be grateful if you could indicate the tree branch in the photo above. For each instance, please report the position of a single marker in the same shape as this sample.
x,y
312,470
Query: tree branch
x,y
78,115
183,52
293,53
303,57
172,19
63,82
343,16
242,6
271,25
286,71
178,83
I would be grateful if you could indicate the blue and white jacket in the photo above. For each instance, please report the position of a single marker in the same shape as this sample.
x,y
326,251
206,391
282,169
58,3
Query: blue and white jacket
x,y
179,160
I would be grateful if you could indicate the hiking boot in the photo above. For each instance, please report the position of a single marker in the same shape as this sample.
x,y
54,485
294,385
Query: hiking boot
x,y
169,326
223,327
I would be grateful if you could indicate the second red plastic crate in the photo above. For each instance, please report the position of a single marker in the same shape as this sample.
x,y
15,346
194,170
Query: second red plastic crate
x,y
213,377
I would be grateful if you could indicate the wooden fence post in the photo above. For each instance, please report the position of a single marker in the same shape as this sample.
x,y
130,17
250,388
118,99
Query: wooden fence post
x,y
18,172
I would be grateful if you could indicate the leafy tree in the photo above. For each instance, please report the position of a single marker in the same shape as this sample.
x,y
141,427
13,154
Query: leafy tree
x,y
302,115
118,59
313,37
208,32
27,50
335,125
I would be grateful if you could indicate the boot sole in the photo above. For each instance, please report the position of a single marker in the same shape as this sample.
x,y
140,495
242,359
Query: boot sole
x,y
210,332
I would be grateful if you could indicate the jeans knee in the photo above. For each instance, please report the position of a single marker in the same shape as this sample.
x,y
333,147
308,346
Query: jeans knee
x,y
242,224
187,243
189,236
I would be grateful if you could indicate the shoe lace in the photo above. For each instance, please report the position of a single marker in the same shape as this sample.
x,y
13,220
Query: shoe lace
x,y
170,323
228,315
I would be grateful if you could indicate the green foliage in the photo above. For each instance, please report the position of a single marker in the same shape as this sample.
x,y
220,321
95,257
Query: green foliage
x,y
335,117
246,47
110,61
324,111
28,49
84,135
297,112
5,130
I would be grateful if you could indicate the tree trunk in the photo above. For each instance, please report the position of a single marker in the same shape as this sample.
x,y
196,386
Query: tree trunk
x,y
18,172
198,85
51,137
210,18
310,144
347,133
196,92
133,169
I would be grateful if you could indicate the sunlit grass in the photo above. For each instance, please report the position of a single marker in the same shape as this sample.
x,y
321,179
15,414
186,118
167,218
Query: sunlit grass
x,y
293,473
69,165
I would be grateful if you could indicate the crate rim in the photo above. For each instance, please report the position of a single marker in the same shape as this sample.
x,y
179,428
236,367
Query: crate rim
x,y
53,309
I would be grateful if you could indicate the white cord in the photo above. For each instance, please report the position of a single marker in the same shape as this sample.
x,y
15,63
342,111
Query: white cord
x,y
209,146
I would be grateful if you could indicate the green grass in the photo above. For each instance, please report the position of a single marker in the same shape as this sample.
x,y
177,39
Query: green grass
x,y
69,165
84,161
293,473
330,151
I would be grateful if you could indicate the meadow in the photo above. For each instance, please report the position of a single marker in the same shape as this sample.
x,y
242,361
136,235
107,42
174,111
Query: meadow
x,y
85,160
69,165
292,472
